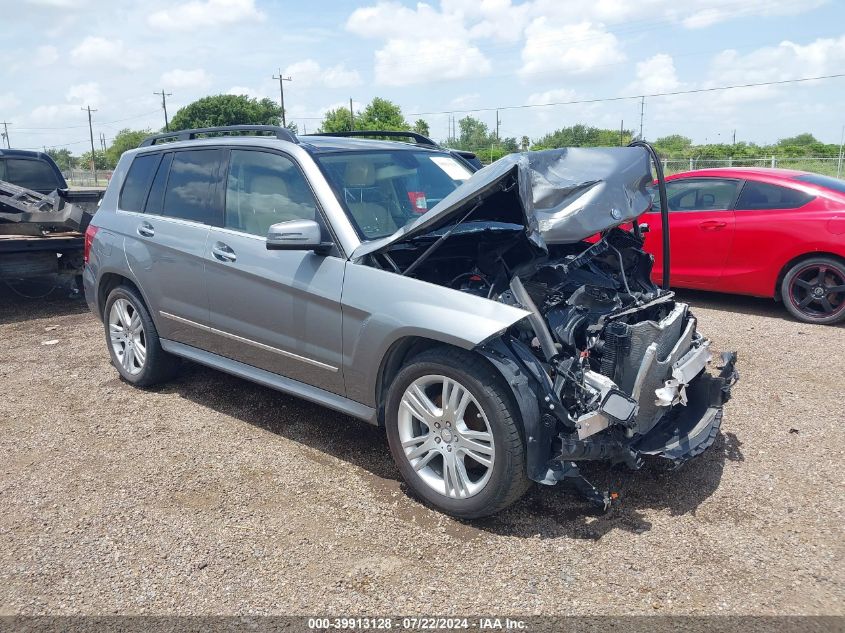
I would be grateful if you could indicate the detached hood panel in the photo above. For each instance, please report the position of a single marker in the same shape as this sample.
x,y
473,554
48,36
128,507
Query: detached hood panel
x,y
560,196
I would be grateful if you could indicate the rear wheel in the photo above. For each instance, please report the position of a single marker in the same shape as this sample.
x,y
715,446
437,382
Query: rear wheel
x,y
133,341
813,290
453,432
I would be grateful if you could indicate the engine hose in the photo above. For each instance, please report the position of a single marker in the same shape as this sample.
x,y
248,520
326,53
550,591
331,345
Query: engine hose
x,y
664,206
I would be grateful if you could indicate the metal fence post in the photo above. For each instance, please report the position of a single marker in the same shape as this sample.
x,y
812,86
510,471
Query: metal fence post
x,y
774,162
690,164
730,161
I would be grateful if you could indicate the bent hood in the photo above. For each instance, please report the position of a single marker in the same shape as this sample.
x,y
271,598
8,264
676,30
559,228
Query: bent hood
x,y
561,196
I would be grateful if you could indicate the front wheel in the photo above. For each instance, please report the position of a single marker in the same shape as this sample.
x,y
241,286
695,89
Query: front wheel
x,y
453,432
813,290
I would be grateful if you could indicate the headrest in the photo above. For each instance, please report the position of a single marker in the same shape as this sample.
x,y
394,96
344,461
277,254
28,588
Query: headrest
x,y
360,173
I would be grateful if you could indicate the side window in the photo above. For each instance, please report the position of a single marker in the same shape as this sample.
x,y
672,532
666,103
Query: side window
x,y
2,170
134,192
263,189
757,196
701,194
191,192
156,197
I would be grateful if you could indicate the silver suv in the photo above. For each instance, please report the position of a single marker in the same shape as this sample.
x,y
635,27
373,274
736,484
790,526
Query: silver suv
x,y
499,324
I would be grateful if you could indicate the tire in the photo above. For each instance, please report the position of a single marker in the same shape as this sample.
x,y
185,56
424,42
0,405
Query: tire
x,y
156,366
468,489
813,290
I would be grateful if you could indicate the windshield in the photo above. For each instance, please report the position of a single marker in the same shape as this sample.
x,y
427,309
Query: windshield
x,y
384,190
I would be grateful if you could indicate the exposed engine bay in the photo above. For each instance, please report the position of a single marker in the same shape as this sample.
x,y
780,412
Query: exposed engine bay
x,y
608,366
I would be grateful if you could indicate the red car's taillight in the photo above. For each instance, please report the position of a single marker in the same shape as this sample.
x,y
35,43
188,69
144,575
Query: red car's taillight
x,y
90,232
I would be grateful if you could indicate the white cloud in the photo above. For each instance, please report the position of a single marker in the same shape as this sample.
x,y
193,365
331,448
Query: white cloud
x,y
85,94
389,19
784,61
188,16
196,79
406,62
8,101
245,90
45,55
655,75
309,73
100,51
559,95
569,48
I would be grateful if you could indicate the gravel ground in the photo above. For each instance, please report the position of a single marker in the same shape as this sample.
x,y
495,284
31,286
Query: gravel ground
x,y
212,495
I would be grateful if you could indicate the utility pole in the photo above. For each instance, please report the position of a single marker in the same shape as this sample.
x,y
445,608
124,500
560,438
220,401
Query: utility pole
x,y
642,114
621,132
351,116
6,125
91,132
103,141
733,142
839,165
282,79
164,96
498,121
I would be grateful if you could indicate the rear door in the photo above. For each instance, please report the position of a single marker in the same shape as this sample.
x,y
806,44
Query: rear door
x,y
701,226
275,310
165,244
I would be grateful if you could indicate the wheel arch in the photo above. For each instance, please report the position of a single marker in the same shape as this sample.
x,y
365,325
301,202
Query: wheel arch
x,y
799,258
108,282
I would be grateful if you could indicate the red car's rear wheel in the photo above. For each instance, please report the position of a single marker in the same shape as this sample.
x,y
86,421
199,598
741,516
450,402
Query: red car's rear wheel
x,y
813,290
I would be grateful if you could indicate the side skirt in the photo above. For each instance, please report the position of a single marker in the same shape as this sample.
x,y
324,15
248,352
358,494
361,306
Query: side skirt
x,y
274,381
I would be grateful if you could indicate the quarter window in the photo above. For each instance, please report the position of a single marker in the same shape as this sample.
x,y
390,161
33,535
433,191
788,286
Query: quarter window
x,y
191,192
711,194
758,196
263,189
137,182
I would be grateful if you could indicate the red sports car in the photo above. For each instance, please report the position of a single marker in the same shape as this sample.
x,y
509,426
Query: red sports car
x,y
763,232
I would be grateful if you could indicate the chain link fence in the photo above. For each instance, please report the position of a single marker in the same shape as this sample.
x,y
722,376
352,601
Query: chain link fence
x,y
86,178
819,165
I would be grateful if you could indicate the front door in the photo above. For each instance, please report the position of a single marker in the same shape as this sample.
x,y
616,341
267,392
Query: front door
x,y
275,310
701,225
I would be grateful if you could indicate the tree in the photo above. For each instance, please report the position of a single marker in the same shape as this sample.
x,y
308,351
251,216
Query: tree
x,y
64,159
799,140
474,135
674,144
581,135
337,120
421,127
124,140
100,160
219,110
381,114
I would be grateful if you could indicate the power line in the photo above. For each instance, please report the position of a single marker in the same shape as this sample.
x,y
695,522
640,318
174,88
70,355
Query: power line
x,y
75,127
637,96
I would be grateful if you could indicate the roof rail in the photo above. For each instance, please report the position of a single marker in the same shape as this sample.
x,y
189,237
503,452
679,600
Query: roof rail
x,y
419,139
281,133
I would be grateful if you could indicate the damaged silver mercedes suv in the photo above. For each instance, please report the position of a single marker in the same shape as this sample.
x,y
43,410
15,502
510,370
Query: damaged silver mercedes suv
x,y
501,324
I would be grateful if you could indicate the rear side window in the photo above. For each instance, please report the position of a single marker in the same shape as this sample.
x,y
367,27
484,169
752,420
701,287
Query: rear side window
x,y
31,174
702,194
757,196
814,179
137,182
264,189
192,191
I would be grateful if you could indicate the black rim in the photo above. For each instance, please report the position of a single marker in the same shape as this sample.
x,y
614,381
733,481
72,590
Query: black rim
x,y
818,291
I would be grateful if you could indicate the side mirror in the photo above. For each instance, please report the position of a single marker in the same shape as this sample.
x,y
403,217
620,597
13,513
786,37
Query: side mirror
x,y
644,228
297,235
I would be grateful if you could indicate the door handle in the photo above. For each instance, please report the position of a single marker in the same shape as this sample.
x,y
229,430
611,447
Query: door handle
x,y
712,225
222,252
145,229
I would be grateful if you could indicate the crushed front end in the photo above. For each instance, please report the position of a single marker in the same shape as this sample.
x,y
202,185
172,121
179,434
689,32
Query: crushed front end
x,y
623,372
607,366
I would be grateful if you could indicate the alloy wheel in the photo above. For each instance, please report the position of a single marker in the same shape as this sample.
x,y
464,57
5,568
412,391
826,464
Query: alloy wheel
x,y
446,436
818,291
127,336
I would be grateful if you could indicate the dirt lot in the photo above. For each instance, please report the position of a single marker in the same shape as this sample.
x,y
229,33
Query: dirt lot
x,y
213,495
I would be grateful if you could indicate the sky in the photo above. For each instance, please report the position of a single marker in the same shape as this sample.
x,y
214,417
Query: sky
x,y
431,58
